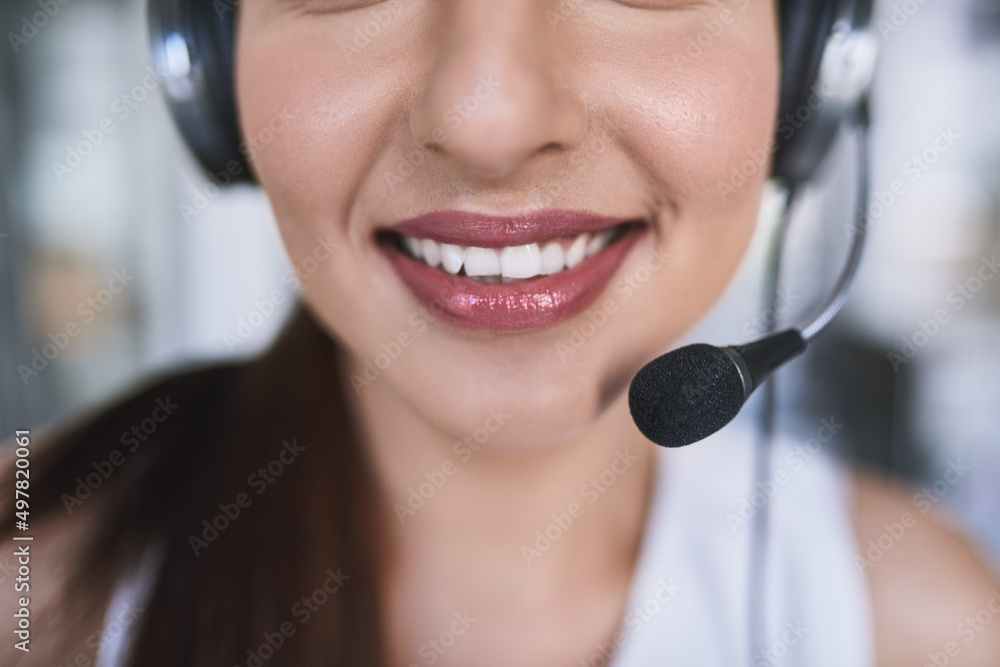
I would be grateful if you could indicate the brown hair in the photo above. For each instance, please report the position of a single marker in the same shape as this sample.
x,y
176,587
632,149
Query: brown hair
x,y
219,595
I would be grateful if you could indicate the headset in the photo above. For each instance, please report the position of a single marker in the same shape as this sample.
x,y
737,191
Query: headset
x,y
192,49
828,58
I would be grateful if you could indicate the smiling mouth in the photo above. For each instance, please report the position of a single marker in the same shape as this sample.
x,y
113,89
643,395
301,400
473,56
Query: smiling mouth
x,y
510,273
510,264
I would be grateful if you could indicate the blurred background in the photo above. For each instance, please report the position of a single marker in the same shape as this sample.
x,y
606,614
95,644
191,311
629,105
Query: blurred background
x,y
118,259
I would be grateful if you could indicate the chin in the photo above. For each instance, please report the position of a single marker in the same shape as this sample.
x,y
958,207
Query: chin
x,y
537,413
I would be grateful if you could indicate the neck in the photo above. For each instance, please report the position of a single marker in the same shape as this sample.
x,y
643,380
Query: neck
x,y
579,505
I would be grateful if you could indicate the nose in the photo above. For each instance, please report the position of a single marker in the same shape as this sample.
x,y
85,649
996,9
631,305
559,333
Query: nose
x,y
494,97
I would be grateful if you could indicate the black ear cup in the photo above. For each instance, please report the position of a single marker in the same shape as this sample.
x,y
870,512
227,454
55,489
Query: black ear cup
x,y
804,26
193,40
192,46
828,62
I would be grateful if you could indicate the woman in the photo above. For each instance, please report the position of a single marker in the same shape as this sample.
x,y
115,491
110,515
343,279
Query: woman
x,y
427,468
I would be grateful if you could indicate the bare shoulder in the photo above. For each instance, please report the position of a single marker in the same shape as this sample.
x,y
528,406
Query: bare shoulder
x,y
33,580
935,602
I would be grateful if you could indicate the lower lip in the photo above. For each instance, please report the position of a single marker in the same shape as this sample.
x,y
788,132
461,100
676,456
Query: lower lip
x,y
531,304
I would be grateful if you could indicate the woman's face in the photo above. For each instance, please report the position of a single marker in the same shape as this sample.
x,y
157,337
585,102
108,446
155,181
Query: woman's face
x,y
498,139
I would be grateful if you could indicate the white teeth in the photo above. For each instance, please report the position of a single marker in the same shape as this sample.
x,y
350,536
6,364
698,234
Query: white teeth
x,y
482,262
523,261
577,251
452,257
414,246
598,243
511,263
553,259
432,252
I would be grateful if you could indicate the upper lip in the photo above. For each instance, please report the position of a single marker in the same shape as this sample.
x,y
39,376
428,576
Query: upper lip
x,y
484,230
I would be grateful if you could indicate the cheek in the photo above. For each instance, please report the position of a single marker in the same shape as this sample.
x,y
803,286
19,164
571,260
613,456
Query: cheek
x,y
343,114
716,117
690,124
312,166
690,121
348,108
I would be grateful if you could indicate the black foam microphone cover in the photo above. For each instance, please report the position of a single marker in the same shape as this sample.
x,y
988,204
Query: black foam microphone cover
x,y
689,394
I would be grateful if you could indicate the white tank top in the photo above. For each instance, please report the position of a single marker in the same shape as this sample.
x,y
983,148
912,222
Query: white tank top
x,y
688,600
688,604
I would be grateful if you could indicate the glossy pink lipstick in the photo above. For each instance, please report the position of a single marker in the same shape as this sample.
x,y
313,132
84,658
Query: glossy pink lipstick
x,y
462,289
